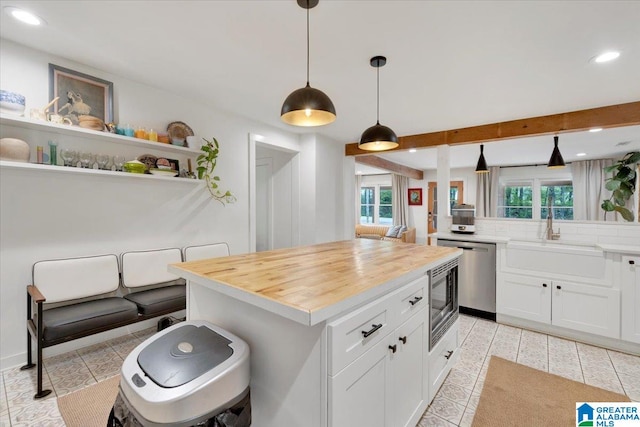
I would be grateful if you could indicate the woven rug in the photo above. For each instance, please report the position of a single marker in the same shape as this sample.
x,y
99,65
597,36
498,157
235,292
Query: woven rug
x,y
515,394
90,406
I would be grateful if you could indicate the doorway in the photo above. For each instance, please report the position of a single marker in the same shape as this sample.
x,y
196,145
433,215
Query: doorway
x,y
264,200
456,196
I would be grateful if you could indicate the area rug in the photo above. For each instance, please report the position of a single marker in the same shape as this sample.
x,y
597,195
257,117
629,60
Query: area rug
x,y
90,406
515,394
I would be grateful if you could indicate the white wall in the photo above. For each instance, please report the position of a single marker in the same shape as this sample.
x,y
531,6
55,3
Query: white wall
x,y
44,216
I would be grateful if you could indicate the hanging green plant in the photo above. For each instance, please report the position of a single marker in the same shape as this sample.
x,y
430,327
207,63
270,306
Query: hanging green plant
x,y
206,165
622,184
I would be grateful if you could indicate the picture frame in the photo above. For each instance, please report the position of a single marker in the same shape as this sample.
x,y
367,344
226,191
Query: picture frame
x,y
163,162
415,196
80,94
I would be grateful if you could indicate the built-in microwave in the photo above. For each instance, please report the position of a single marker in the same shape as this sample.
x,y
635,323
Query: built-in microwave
x,y
443,295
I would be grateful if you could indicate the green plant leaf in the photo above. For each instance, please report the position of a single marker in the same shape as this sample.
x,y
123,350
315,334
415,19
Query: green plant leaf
x,y
214,185
634,157
612,184
619,198
607,206
216,178
610,168
623,173
626,213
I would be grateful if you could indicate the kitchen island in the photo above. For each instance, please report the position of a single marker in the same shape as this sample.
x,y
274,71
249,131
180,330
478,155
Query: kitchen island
x,y
303,310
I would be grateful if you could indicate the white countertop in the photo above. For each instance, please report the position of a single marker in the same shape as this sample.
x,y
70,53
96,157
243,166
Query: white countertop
x,y
605,247
467,237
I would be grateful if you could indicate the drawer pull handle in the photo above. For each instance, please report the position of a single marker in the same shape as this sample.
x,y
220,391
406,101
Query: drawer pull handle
x,y
403,339
448,355
559,287
372,330
544,285
631,262
415,300
393,348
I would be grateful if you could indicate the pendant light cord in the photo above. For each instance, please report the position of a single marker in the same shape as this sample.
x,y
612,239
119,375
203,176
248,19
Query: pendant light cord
x,y
307,42
378,91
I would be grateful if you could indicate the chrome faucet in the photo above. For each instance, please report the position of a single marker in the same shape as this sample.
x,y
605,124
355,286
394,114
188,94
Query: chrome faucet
x,y
550,234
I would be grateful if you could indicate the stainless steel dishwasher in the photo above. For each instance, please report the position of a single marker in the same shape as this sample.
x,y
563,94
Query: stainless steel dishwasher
x,y
476,277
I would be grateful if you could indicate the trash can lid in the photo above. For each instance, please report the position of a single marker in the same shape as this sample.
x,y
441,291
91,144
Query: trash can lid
x,y
183,354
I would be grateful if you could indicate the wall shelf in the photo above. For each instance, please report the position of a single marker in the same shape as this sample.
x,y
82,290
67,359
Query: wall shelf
x,y
76,131
9,165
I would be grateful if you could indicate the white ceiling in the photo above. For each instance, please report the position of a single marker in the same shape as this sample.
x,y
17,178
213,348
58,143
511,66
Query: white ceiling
x,y
450,63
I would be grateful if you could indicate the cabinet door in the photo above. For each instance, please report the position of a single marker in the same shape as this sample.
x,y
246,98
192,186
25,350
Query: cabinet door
x,y
358,395
586,308
409,380
524,297
631,299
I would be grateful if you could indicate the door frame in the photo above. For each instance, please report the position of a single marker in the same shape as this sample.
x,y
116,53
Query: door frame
x,y
267,162
431,187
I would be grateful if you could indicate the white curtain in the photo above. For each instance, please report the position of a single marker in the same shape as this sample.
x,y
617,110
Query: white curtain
x,y
487,188
358,184
399,195
589,190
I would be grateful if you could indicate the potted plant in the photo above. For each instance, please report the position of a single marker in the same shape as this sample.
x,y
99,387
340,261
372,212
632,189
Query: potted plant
x,y
206,165
622,184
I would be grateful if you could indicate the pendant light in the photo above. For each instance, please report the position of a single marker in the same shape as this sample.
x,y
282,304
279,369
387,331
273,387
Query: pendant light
x,y
481,167
556,160
308,106
378,137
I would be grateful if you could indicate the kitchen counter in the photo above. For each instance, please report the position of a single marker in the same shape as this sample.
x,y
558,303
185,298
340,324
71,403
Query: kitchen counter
x,y
466,237
310,284
286,303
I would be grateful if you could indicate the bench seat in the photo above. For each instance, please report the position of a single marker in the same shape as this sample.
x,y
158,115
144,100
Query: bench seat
x,y
153,302
70,321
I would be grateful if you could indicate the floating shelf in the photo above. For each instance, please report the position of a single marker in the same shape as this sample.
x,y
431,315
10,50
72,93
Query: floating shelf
x,y
76,131
5,164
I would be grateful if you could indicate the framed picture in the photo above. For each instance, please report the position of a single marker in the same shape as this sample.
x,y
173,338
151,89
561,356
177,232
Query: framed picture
x,y
415,197
80,94
164,162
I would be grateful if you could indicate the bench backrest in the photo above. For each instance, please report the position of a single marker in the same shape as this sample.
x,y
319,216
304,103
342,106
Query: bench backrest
x,y
143,268
214,250
73,278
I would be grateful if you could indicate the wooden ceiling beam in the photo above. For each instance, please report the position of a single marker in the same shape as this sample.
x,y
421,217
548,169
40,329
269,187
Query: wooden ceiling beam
x,y
379,162
605,117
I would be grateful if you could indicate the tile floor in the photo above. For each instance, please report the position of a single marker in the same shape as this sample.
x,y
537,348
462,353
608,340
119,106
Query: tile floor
x,y
454,405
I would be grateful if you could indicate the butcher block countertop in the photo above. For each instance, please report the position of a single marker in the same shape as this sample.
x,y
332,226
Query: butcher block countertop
x,y
310,284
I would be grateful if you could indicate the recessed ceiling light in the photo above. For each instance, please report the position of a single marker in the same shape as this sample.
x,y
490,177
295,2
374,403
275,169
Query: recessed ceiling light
x,y
607,56
581,154
24,16
595,129
412,150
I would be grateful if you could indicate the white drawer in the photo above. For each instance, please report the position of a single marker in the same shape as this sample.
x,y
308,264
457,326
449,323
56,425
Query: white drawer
x,y
411,298
346,336
443,356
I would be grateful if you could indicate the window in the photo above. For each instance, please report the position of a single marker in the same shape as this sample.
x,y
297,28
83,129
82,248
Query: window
x,y
376,205
561,193
516,200
367,205
528,199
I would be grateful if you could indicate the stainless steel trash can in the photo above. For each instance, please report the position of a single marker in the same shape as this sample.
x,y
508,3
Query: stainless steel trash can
x,y
192,373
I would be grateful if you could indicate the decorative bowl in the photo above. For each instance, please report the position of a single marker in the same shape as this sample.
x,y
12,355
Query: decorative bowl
x,y
14,149
134,166
11,102
163,172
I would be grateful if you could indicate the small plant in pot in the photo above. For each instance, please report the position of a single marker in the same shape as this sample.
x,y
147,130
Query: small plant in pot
x,y
622,184
206,165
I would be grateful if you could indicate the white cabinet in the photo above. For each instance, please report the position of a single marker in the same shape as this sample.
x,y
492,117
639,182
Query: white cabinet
x,y
577,306
387,385
524,297
442,358
631,298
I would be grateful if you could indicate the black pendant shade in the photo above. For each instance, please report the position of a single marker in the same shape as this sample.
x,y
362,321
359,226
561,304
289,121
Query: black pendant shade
x,y
378,137
556,160
481,167
308,106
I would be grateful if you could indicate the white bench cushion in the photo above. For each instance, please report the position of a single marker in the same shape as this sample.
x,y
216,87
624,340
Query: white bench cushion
x,y
148,267
214,250
68,279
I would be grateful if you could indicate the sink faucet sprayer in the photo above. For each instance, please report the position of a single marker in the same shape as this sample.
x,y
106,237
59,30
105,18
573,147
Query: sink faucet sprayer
x,y
550,234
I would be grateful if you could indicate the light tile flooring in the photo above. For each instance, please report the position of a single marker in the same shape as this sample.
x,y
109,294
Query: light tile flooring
x,y
454,405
